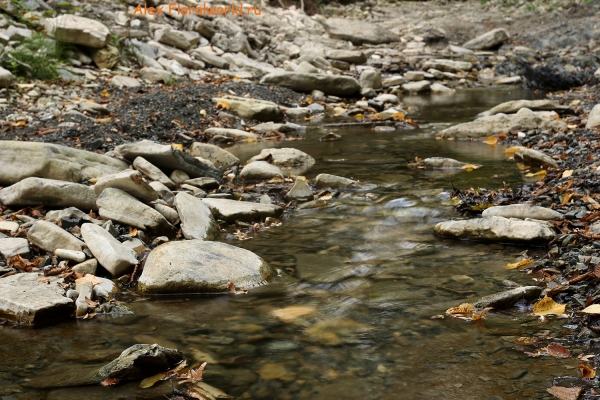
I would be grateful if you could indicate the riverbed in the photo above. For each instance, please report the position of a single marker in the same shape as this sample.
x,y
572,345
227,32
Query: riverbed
x,y
366,274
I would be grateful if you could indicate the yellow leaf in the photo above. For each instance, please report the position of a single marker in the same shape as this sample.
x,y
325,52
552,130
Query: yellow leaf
x,y
567,173
358,116
309,100
522,263
491,140
591,201
539,174
399,116
548,306
593,309
575,102
566,198
105,93
512,150
177,146
224,105
93,180
522,167
337,111
470,167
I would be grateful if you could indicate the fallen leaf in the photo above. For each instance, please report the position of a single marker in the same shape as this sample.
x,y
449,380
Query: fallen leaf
x,y
548,306
558,351
512,150
587,372
491,140
524,262
525,341
593,309
223,104
470,167
399,116
151,381
110,381
539,174
194,376
522,167
105,93
567,173
177,146
478,316
464,308
88,277
309,100
289,314
592,202
565,393
91,303
566,198
89,315
133,231
230,284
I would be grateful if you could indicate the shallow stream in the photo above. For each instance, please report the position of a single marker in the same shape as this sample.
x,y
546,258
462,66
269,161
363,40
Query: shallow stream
x,y
368,276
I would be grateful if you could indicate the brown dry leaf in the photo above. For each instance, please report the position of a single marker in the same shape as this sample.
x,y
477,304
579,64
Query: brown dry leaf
x,y
358,116
470,167
548,306
566,198
89,315
525,341
593,309
110,381
512,150
193,376
478,316
231,287
592,202
491,140
88,277
587,372
224,105
558,351
43,279
289,314
133,231
55,270
464,308
524,262
151,381
567,173
90,302
20,263
565,393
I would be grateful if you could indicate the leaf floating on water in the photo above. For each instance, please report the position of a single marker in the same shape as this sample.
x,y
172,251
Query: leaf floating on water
x,y
151,381
565,393
520,265
558,351
567,173
491,140
548,306
512,150
593,309
289,314
587,372
470,167
193,376
478,316
110,382
522,167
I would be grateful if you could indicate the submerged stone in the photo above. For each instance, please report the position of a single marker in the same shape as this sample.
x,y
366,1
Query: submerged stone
x,y
509,298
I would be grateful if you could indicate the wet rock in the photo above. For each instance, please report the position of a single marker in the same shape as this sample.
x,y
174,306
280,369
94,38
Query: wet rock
x,y
78,30
335,182
140,361
110,253
330,84
49,192
197,222
235,134
260,170
231,210
87,267
196,266
488,40
350,56
300,191
438,88
511,107
22,160
500,124
508,80
335,332
440,163
78,256
84,289
116,205
218,156
523,211
10,247
153,172
130,182
535,158
25,299
154,74
285,156
370,79
417,87
509,298
6,78
496,229
167,157
594,117
260,110
106,57
50,237
358,32
448,65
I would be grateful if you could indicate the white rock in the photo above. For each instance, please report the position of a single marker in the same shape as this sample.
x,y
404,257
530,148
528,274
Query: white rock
x,y
9,226
497,229
130,182
285,156
110,253
231,210
86,267
78,30
260,170
50,237
594,117
153,172
49,192
10,247
178,176
197,221
78,256
523,211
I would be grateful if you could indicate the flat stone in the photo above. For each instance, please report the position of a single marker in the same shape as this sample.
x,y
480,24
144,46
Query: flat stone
x,y
260,170
110,253
497,229
335,182
300,191
167,157
509,298
523,211
164,192
203,183
87,267
514,106
414,76
196,266
78,30
231,210
197,221
488,40
170,214
508,80
440,163
349,56
116,205
358,32
438,88
235,134
260,110
210,59
124,81
153,172
448,65
285,156
24,298
10,247
48,192
70,213
130,182
50,237
24,159
594,117
218,156
417,87
154,74
10,227
178,176
337,85
78,256
173,38
535,158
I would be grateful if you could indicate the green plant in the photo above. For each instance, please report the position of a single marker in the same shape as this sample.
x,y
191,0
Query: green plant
x,y
36,57
171,81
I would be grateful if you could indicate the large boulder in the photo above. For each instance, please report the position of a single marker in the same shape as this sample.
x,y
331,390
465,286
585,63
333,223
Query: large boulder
x,y
497,229
488,40
50,193
260,110
50,237
514,106
523,211
197,222
22,160
116,205
78,30
168,158
358,32
231,210
338,85
196,266
110,253
501,124
24,298
130,182
285,156
218,156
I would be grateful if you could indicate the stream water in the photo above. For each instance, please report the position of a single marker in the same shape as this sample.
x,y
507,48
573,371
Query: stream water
x,y
366,273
